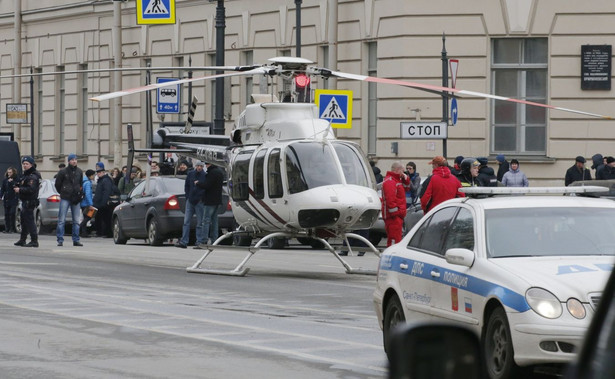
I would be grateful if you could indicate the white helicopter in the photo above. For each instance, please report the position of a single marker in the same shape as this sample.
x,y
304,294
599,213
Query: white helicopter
x,y
289,177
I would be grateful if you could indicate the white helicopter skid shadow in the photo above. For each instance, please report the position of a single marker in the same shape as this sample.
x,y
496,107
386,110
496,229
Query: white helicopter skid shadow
x,y
240,270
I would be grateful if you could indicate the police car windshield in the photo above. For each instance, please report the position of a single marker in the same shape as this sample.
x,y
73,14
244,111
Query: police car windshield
x,y
310,165
549,232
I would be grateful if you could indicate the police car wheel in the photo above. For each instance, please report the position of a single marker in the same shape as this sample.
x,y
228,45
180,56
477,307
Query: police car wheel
x,y
393,315
498,348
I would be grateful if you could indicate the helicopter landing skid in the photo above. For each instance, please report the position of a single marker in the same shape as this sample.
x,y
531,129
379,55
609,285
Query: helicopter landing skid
x,y
240,270
349,269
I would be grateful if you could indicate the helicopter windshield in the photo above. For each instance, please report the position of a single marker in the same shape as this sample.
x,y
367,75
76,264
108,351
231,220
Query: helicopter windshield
x,y
310,165
352,166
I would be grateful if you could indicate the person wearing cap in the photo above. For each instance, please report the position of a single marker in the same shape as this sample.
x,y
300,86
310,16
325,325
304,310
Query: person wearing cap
x,y
182,168
440,186
394,202
456,169
27,189
515,177
87,201
194,205
577,172
503,166
608,171
104,190
69,184
486,175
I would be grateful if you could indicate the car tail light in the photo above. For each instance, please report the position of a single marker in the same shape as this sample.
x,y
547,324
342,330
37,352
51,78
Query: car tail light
x,y
53,199
171,203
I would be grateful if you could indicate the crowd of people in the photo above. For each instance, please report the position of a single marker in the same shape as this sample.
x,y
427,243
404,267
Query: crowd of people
x,y
400,189
95,193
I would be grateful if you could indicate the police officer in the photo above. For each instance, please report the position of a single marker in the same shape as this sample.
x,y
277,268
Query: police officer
x,y
469,172
27,190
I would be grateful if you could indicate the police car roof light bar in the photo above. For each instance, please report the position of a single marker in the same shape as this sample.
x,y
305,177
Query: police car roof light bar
x,y
482,191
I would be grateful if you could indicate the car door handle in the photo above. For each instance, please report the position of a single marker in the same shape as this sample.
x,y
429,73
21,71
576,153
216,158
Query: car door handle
x,y
435,273
403,266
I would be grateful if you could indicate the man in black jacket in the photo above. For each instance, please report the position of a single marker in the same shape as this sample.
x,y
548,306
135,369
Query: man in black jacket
x,y
212,199
486,175
578,172
69,185
27,189
104,189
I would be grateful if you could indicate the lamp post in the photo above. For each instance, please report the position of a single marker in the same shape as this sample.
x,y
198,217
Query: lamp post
x,y
220,26
298,25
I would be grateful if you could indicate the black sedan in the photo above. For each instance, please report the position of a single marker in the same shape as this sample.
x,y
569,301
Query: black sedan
x,y
154,211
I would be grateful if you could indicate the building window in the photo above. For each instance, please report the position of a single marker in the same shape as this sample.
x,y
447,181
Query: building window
x,y
519,70
324,52
38,104
82,124
372,98
179,62
248,59
60,110
212,88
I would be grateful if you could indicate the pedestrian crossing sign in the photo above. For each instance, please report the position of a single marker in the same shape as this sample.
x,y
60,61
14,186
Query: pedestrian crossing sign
x,y
155,12
335,106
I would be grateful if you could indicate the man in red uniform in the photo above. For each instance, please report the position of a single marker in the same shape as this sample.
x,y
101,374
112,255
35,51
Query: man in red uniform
x,y
394,189
440,186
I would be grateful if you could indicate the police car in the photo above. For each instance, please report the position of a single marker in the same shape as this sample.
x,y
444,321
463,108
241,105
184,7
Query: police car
x,y
524,272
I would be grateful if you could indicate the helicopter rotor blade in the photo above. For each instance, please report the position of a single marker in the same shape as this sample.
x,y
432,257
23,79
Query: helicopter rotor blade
x,y
443,91
113,95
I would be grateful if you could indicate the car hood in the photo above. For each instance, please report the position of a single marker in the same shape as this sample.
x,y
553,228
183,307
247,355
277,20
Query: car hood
x,y
565,277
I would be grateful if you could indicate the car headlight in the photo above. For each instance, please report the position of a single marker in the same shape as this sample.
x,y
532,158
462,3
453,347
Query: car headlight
x,y
543,302
576,308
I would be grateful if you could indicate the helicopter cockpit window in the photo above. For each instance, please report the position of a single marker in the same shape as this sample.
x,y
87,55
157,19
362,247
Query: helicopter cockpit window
x,y
239,190
274,175
257,175
352,165
310,165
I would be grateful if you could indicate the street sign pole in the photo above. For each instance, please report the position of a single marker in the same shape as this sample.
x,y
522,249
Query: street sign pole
x,y
444,95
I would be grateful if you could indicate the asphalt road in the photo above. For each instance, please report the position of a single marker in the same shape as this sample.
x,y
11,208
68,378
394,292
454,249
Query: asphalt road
x,y
112,311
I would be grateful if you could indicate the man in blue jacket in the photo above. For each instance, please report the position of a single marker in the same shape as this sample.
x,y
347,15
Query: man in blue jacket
x,y
87,201
193,205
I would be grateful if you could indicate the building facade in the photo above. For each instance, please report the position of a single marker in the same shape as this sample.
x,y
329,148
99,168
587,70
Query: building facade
x,y
527,49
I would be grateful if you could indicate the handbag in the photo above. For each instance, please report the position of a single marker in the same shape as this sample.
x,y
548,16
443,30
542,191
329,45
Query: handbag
x,y
91,212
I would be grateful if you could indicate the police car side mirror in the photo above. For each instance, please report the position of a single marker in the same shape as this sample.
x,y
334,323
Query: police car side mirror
x,y
459,256
434,350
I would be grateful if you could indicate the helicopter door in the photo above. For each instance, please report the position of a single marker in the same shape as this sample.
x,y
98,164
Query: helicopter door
x,y
267,173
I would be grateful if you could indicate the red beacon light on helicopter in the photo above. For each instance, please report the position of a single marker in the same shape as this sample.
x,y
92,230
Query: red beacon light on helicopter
x,y
302,88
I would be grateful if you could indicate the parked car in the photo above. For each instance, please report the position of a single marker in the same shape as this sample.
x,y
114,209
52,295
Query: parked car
x,y
154,211
525,273
46,214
